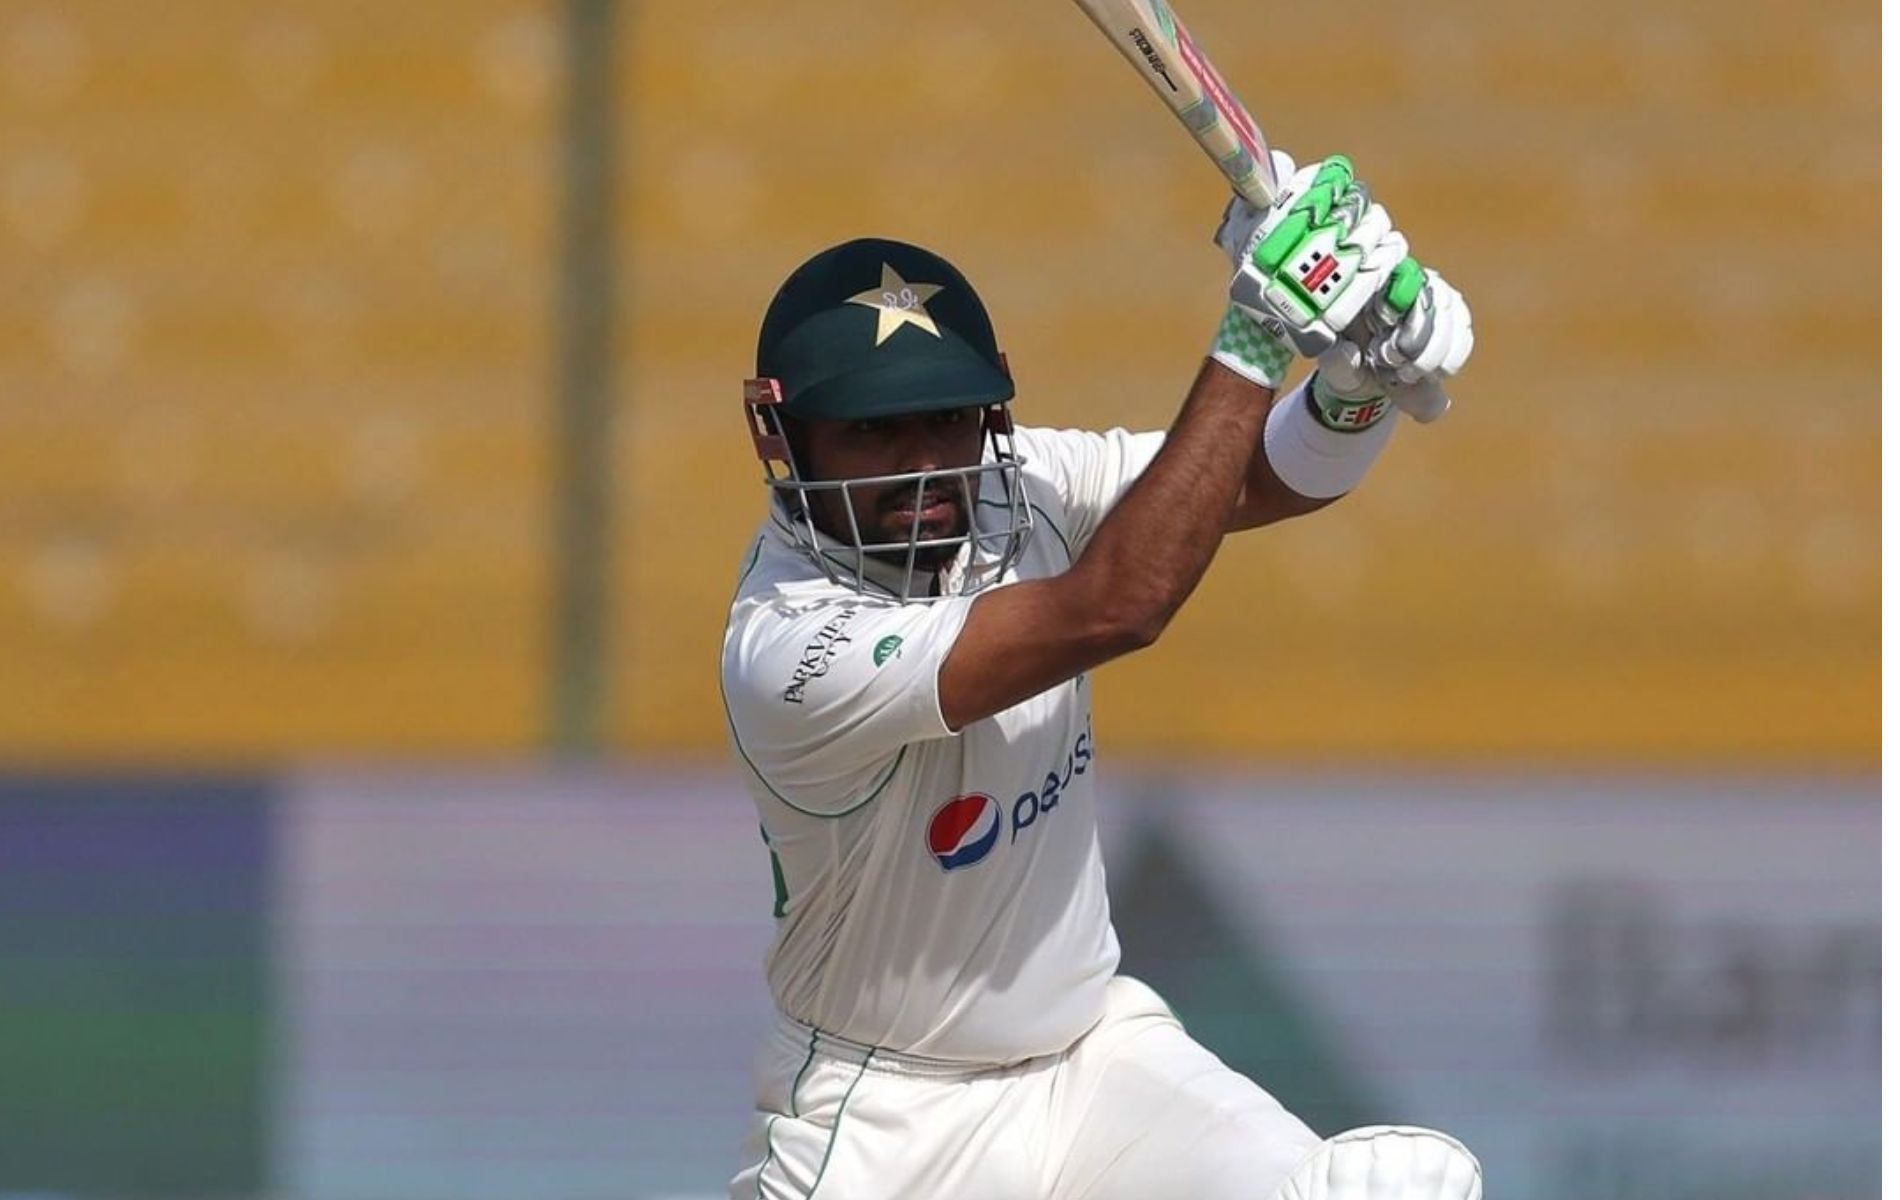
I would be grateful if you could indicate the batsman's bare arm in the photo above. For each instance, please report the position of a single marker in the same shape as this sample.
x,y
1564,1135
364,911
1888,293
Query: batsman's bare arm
x,y
1137,571
1264,498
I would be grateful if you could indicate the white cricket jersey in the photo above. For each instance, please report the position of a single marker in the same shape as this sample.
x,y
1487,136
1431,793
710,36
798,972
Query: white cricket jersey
x,y
940,893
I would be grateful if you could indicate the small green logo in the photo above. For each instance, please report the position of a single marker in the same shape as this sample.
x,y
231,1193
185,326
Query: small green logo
x,y
886,649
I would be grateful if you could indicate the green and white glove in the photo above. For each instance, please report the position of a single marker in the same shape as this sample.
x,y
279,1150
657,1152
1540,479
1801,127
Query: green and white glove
x,y
1249,351
1307,267
1401,351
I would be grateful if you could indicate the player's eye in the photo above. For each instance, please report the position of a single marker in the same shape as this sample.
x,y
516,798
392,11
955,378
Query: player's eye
x,y
867,425
951,416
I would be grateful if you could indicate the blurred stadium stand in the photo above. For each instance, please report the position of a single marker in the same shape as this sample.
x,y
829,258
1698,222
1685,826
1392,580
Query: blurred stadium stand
x,y
275,374
278,353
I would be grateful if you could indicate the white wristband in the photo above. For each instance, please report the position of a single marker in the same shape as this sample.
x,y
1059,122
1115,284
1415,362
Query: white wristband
x,y
1317,462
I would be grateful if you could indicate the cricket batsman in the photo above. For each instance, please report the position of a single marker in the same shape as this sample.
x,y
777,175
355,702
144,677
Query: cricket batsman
x,y
906,674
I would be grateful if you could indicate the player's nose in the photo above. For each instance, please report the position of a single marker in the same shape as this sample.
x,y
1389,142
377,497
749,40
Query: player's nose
x,y
920,446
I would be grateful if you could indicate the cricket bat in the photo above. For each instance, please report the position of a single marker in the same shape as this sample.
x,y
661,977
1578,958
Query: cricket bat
x,y
1155,42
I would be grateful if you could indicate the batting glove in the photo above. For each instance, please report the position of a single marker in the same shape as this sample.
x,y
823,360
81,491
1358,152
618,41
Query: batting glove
x,y
1404,348
1309,265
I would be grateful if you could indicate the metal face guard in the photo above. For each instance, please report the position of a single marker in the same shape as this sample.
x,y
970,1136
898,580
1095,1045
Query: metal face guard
x,y
984,557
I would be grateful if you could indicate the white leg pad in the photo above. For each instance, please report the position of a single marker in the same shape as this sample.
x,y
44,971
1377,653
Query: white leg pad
x,y
1386,1162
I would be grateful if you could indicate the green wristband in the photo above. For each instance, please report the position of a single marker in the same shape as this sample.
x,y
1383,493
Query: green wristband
x,y
1342,415
1244,344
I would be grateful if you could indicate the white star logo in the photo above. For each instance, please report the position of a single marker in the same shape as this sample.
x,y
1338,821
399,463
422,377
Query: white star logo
x,y
899,304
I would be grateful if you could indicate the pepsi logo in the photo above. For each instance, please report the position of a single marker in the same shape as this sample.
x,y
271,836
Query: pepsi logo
x,y
964,830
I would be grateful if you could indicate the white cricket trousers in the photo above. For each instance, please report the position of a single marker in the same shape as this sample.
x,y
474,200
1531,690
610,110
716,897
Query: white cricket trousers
x,y
1134,1110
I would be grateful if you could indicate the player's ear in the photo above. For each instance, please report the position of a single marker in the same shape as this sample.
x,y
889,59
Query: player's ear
x,y
797,438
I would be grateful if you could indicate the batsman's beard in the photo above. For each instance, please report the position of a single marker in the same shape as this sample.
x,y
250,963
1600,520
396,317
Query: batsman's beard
x,y
940,516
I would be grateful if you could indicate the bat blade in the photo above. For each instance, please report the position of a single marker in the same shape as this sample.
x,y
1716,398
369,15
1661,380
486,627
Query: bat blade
x,y
1156,43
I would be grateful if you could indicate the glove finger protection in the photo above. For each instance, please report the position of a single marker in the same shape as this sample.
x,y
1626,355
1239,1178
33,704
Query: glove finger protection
x,y
1432,339
1348,372
1314,260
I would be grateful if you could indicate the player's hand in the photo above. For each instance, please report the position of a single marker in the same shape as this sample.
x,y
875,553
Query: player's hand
x,y
1307,267
1421,328
1239,220
1405,347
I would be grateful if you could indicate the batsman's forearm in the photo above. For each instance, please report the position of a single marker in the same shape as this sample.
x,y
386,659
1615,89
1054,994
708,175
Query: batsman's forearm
x,y
1265,498
1153,548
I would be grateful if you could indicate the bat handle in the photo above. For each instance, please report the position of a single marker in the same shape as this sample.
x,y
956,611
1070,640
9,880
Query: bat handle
x,y
1259,189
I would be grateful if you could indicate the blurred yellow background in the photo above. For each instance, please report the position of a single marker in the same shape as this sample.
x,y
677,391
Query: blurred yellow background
x,y
282,361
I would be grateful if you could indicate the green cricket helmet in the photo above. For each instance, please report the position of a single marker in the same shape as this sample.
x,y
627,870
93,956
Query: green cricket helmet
x,y
875,328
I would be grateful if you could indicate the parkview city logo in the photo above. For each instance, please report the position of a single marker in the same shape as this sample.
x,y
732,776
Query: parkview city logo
x,y
814,662
964,830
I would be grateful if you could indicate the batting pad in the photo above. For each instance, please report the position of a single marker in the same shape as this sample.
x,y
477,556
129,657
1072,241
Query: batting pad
x,y
1386,1162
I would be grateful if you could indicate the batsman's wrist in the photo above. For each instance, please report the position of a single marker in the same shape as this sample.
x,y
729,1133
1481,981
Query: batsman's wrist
x,y
1244,346
1316,460
1343,414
